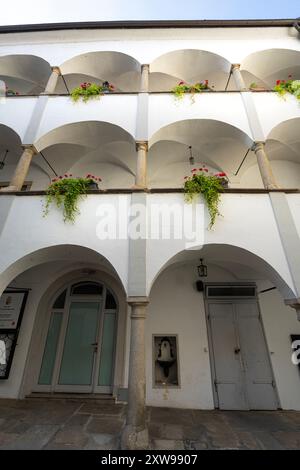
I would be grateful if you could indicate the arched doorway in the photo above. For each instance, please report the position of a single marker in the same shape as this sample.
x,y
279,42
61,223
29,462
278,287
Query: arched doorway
x,y
79,340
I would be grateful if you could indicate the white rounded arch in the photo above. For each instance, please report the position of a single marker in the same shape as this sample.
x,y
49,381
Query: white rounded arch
x,y
190,65
268,65
241,264
91,147
26,74
217,144
120,69
70,254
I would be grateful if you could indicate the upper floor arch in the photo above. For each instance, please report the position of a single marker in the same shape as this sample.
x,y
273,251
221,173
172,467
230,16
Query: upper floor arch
x,y
119,69
218,145
265,67
24,74
191,66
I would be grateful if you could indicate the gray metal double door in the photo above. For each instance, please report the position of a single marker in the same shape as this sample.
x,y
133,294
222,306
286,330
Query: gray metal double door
x,y
243,375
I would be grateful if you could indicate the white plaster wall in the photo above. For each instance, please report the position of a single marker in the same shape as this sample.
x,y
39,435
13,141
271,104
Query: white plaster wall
x,y
61,110
16,113
225,107
145,45
273,109
36,176
280,322
247,222
294,205
286,173
176,308
26,230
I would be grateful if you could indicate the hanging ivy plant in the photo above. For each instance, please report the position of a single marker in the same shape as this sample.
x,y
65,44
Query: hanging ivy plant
x,y
283,87
182,88
66,192
88,91
210,186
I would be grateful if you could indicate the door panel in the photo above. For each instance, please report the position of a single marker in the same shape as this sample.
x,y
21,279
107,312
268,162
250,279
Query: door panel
x,y
259,377
243,371
48,361
78,355
228,370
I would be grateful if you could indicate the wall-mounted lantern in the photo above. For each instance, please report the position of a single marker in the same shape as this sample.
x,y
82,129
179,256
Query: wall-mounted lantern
x,y
202,269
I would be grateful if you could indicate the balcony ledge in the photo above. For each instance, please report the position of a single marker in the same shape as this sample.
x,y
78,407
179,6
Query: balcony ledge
x,y
157,191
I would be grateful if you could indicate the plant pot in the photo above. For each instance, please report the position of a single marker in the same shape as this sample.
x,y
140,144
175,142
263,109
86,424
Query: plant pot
x,y
93,185
224,183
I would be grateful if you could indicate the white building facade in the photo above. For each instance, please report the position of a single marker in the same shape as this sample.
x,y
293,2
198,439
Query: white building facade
x,y
102,302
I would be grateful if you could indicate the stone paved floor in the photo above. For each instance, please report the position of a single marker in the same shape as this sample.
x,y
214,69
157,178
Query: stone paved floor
x,y
76,424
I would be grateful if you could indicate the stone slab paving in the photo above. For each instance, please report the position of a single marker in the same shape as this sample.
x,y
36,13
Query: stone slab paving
x,y
40,423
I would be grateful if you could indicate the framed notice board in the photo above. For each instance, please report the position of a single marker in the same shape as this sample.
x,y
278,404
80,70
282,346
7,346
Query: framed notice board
x,y
12,306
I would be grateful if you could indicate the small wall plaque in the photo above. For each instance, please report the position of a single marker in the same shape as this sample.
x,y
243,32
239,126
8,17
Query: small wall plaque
x,y
165,361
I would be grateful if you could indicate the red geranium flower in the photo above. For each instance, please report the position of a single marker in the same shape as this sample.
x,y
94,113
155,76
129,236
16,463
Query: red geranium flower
x,y
277,82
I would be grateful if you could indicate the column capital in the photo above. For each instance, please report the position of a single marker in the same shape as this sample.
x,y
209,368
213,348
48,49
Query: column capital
x,y
145,67
30,147
235,67
56,69
141,145
138,301
295,304
258,146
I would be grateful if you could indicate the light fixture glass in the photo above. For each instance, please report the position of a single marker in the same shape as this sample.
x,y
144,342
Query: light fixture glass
x,y
202,269
191,159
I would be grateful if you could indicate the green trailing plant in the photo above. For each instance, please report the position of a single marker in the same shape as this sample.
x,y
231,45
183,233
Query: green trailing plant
x,y
209,185
182,88
87,91
283,87
66,192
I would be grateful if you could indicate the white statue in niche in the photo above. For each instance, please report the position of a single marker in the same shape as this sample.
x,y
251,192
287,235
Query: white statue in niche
x,y
166,357
2,353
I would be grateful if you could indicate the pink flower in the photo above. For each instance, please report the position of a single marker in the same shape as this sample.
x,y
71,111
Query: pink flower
x,y
200,169
290,76
205,169
194,169
182,82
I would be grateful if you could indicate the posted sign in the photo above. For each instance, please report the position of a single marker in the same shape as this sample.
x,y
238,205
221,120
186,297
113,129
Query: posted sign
x,y
10,309
12,305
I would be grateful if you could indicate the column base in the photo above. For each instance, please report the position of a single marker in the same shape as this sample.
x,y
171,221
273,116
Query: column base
x,y
135,438
140,187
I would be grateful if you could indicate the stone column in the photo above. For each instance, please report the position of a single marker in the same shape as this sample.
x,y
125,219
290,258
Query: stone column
x,y
145,78
52,82
141,165
135,434
22,168
295,304
264,166
238,78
